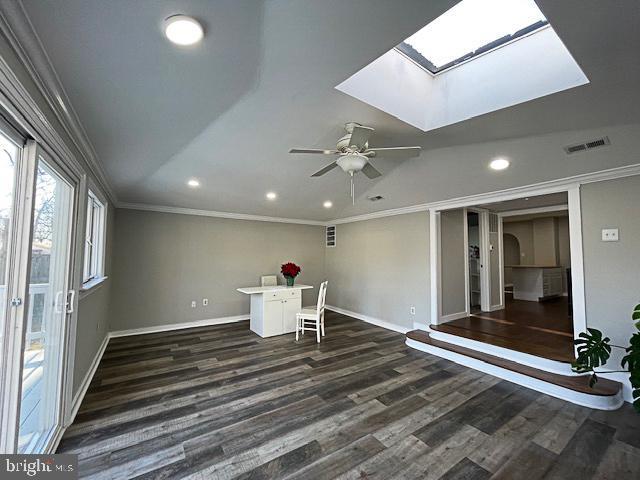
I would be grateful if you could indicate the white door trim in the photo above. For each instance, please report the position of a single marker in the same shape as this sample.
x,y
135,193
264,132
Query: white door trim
x,y
575,238
577,261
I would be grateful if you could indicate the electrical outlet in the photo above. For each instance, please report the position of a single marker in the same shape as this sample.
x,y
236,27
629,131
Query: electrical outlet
x,y
205,302
609,234
412,310
193,304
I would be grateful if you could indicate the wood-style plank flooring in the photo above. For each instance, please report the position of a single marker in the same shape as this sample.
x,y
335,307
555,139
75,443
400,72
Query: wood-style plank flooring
x,y
543,329
220,402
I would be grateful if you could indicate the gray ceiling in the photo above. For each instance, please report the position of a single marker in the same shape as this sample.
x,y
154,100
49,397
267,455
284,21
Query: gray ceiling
x,y
228,110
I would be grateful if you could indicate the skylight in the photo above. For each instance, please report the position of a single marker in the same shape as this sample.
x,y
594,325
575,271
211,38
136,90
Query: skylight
x,y
470,28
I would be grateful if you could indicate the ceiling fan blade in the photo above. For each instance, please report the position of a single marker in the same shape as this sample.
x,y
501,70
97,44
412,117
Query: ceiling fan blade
x,y
395,152
370,171
326,169
360,136
313,150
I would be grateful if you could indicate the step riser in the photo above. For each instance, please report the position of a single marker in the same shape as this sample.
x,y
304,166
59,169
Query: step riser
x,y
551,366
600,402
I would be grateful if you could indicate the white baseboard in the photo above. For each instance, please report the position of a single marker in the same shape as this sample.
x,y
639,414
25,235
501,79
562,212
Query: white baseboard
x,y
368,319
86,381
453,316
178,326
584,399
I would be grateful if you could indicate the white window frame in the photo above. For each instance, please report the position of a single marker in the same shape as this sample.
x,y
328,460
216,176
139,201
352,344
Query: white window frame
x,y
94,240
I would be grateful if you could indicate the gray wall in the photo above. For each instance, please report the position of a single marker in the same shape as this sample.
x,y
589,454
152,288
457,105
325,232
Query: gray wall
x,y
93,313
523,231
612,269
545,241
380,268
453,258
163,261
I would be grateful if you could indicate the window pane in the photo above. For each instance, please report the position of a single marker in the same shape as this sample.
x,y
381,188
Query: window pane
x,y
8,168
471,25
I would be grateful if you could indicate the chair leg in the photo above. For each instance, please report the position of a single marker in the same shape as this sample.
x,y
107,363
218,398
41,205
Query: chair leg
x,y
297,326
318,329
322,323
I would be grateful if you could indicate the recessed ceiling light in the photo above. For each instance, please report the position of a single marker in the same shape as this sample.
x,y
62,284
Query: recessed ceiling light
x,y
499,164
183,30
193,183
327,204
272,195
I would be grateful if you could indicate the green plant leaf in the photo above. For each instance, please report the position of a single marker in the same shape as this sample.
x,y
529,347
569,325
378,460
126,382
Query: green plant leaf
x,y
593,380
593,351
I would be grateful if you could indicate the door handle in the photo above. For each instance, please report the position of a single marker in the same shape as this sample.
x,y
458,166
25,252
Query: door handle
x,y
70,300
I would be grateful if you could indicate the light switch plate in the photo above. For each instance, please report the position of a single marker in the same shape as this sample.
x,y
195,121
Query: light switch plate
x,y
609,234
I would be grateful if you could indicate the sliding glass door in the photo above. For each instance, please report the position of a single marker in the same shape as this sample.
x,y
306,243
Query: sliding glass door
x,y
36,239
49,303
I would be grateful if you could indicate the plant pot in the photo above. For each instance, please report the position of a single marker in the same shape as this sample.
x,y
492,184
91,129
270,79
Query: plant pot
x,y
290,281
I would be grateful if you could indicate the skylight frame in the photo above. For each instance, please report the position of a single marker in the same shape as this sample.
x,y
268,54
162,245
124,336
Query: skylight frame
x,y
418,57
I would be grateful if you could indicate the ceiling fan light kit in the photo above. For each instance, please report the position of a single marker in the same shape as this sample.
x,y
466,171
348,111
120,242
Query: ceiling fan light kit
x,y
354,154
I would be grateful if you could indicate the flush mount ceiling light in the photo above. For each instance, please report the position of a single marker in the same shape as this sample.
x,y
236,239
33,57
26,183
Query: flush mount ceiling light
x,y
327,204
193,183
499,164
183,30
271,195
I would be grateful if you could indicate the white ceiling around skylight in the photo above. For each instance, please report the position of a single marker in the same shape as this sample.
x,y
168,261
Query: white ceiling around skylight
x,y
532,62
470,28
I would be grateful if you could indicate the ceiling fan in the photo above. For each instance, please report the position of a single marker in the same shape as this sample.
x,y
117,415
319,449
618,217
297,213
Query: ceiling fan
x,y
354,153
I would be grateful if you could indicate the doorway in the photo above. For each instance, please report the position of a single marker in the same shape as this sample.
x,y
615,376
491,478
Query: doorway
x,y
37,208
530,255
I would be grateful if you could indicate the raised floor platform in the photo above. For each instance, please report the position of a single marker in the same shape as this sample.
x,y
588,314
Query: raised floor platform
x,y
605,395
543,329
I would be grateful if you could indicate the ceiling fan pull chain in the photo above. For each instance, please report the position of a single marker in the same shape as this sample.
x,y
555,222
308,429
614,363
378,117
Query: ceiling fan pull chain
x,y
353,191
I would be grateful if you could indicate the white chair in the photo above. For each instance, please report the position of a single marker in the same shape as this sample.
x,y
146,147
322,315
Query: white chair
x,y
311,318
268,281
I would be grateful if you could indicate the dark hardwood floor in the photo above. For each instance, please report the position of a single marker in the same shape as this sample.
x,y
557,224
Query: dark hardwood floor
x,y
220,402
543,329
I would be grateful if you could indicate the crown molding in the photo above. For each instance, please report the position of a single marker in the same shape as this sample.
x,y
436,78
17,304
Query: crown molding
x,y
535,210
211,213
16,26
541,188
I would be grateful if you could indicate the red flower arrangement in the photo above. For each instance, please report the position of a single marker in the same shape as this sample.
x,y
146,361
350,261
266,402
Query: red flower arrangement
x,y
290,269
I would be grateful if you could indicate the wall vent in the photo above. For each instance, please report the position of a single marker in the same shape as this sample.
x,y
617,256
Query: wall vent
x,y
331,236
375,198
581,147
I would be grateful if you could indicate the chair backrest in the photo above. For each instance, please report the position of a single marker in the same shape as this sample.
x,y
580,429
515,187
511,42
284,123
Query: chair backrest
x,y
268,281
322,295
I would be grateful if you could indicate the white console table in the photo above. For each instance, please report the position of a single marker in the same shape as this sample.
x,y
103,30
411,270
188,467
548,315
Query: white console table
x,y
273,309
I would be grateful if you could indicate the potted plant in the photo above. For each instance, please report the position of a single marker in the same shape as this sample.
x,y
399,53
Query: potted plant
x,y
290,271
594,350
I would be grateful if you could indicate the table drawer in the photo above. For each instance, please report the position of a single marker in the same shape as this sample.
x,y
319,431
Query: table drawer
x,y
283,294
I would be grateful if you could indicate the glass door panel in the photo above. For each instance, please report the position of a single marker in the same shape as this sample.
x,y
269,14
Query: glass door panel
x,y
45,326
8,169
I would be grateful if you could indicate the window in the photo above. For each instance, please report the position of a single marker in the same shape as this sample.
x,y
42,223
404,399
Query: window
x,y
94,240
469,29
